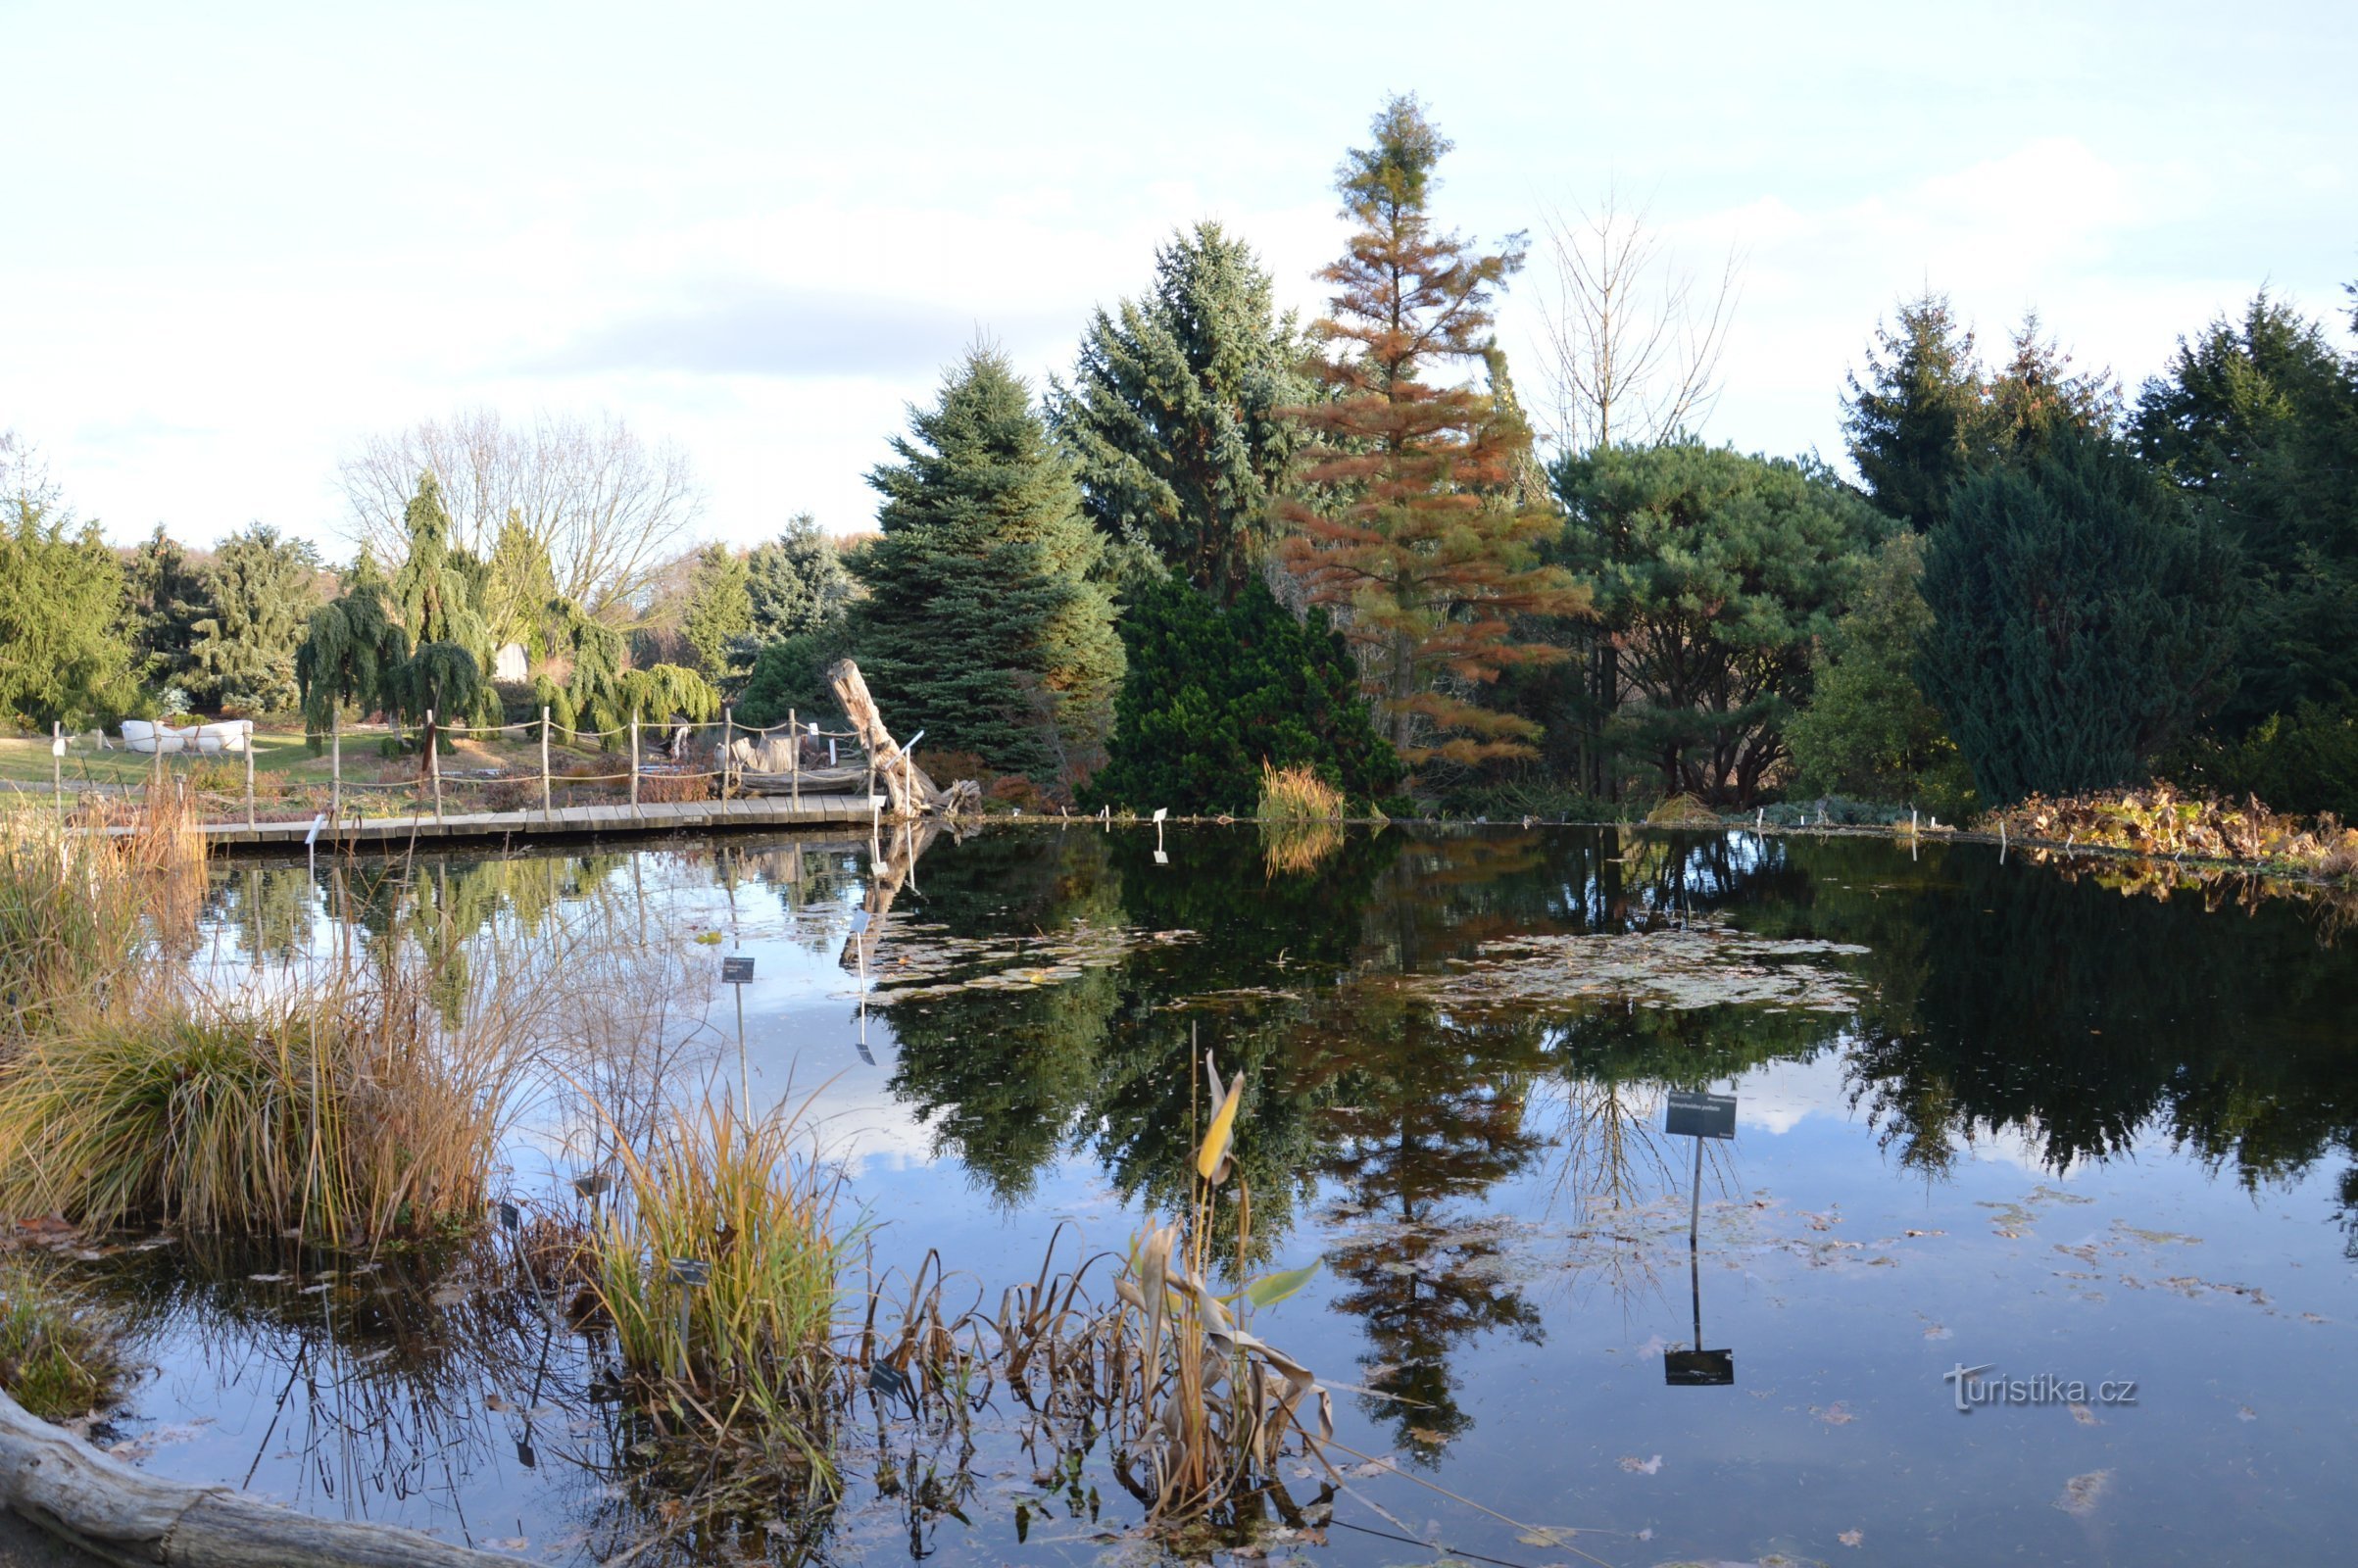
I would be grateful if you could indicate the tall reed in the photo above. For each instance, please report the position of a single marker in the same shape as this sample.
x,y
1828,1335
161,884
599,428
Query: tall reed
x,y
746,1198
1296,794
337,1105
80,903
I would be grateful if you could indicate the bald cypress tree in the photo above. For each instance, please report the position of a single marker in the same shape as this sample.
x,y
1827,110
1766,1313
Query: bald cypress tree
x,y
1413,519
983,626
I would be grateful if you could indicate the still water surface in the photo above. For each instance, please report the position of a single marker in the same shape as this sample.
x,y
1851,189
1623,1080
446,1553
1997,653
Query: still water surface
x,y
1987,1116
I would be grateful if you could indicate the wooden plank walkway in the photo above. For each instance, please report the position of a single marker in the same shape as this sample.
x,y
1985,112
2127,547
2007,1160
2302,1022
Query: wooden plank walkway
x,y
570,821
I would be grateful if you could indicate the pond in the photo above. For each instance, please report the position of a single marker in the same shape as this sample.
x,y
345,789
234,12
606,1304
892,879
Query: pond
x,y
1999,1129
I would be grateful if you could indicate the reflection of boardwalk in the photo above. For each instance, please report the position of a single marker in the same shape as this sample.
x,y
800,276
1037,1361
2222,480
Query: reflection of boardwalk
x,y
572,821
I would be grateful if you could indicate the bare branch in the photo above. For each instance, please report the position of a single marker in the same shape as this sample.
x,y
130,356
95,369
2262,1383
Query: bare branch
x,y
608,508
1633,342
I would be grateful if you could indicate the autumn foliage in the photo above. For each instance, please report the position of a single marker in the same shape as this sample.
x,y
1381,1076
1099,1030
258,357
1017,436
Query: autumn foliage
x,y
1414,516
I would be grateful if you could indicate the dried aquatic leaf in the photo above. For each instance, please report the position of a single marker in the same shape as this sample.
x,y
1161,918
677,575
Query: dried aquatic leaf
x,y
1851,1537
1833,1415
2082,1414
1641,1467
1703,964
2081,1493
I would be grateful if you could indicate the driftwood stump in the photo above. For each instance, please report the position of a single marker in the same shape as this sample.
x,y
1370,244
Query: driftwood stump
x,y
124,1515
906,784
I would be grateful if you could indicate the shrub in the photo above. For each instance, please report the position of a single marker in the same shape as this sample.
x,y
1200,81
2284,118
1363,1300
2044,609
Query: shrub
x,y
1213,696
2307,762
2080,622
2159,820
1868,730
1297,795
672,788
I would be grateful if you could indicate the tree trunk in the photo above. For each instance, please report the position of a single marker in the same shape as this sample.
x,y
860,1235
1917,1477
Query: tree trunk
x,y
911,793
126,1516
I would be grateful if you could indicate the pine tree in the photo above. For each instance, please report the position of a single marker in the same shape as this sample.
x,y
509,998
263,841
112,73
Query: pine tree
x,y
983,626
1409,520
2080,625
263,587
1175,412
1914,421
720,612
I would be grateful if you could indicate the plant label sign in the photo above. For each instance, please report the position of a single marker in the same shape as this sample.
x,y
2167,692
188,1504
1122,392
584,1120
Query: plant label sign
x,y
1698,1369
736,971
1699,1115
860,921
690,1271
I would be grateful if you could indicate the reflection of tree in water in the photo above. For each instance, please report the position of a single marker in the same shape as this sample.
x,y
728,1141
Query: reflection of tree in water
x,y
269,908
1431,1115
2012,1000
1005,1076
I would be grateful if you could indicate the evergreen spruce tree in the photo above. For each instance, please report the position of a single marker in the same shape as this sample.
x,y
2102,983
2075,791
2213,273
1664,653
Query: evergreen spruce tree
x,y
720,612
1213,694
796,583
351,652
1409,519
1175,411
436,590
2256,421
162,600
983,626
520,582
2080,625
1913,422
263,587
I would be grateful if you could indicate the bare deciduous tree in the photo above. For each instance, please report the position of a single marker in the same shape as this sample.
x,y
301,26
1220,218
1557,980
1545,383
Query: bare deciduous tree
x,y
608,507
1634,341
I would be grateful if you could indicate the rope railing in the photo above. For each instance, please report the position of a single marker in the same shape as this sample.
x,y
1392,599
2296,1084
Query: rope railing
x,y
666,753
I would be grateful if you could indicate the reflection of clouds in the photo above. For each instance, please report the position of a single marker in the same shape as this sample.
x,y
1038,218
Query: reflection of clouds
x,y
1780,1096
2012,1146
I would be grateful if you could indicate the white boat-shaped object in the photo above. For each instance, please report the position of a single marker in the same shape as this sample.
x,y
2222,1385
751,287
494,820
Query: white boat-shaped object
x,y
205,740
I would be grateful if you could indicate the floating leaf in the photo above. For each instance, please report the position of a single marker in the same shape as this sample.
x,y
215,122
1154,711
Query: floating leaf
x,y
2082,1492
1641,1467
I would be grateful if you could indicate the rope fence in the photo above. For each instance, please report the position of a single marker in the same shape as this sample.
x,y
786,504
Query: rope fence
x,y
658,757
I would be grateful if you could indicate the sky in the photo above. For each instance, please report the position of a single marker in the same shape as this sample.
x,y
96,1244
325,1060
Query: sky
x,y
240,239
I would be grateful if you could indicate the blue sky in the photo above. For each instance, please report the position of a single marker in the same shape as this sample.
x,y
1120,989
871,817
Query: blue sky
x,y
240,238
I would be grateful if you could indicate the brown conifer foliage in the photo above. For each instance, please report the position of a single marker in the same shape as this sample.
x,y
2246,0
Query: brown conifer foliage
x,y
1408,516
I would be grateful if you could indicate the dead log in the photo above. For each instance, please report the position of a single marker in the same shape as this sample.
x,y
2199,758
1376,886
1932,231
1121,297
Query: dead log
x,y
900,865
906,784
124,1515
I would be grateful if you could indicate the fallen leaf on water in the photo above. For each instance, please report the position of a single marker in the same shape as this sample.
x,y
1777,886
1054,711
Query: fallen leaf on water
x,y
2080,1493
2084,1415
1374,1467
512,1542
265,1279
1935,1331
492,1402
1833,1415
1547,1536
1927,1233
1641,1467
1851,1537
2245,1412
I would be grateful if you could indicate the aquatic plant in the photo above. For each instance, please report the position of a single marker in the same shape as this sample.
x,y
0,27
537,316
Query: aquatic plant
x,y
1210,1405
59,1353
719,1269
2160,820
337,1106
80,901
1296,794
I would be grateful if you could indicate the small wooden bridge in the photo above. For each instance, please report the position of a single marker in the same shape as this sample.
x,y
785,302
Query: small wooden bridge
x,y
565,821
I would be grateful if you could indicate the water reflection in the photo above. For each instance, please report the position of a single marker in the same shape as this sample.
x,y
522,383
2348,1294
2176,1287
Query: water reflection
x,y
2002,1006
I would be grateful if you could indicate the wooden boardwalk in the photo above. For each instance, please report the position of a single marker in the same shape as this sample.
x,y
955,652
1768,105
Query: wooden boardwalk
x,y
569,821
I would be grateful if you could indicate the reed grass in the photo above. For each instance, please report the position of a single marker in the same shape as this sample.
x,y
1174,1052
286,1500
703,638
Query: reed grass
x,y
338,1106
1298,795
81,902
59,1351
748,1199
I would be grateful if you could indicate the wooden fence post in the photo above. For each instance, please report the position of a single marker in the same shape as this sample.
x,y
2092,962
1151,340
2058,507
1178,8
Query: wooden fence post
x,y
728,726
57,763
249,773
794,759
335,766
434,762
634,764
544,762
